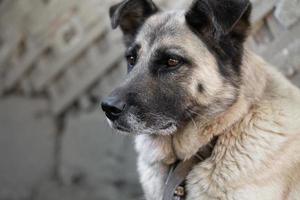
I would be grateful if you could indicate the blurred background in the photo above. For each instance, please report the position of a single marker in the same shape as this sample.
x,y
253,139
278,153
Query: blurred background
x,y
58,58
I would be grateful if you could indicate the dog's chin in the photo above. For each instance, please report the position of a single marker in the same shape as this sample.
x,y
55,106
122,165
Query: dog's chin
x,y
140,129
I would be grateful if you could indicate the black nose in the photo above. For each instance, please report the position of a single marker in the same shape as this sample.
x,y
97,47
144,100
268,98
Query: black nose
x,y
113,107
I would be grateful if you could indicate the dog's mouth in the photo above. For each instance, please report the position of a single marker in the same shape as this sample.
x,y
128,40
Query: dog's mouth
x,y
138,128
117,126
122,128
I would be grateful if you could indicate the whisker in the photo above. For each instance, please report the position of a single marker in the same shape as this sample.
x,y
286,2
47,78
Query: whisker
x,y
193,121
194,112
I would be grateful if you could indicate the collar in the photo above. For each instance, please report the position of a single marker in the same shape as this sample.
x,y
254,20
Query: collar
x,y
175,181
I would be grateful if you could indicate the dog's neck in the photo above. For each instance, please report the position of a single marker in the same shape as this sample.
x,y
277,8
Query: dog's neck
x,y
185,143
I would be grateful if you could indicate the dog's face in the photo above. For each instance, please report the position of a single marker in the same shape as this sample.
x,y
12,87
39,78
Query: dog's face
x,y
183,66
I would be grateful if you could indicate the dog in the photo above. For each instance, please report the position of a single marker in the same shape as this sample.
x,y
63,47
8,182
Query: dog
x,y
191,79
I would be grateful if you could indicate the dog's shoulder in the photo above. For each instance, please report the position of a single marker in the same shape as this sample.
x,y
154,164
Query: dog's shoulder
x,y
282,102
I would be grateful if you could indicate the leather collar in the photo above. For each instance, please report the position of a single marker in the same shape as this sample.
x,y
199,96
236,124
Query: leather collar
x,y
175,181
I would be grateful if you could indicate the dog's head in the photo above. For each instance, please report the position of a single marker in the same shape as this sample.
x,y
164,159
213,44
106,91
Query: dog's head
x,y
183,66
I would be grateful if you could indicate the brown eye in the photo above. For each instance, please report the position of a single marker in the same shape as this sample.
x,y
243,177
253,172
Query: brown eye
x,y
173,62
131,60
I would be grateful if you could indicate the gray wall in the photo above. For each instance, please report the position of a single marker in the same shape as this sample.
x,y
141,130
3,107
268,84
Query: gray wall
x,y
58,58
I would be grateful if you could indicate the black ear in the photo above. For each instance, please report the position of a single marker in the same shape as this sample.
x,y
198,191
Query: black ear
x,y
220,17
130,16
223,25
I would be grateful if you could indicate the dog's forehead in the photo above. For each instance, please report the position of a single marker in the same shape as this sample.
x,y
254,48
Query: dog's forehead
x,y
167,30
164,25
175,17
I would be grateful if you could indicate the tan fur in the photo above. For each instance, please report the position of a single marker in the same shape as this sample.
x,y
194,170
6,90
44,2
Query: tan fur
x,y
257,155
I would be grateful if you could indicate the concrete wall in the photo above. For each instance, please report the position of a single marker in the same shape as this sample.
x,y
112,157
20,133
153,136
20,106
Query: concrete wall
x,y
58,58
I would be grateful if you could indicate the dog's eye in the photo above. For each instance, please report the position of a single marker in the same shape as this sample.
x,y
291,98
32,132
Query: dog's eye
x,y
172,62
131,60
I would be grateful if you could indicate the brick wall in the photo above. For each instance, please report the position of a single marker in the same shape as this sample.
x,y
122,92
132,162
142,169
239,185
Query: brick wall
x,y
58,58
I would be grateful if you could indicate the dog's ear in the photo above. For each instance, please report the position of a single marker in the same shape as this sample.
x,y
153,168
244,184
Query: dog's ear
x,y
223,25
130,16
220,17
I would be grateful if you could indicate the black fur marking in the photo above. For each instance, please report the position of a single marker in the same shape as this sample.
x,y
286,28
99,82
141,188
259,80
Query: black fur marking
x,y
222,26
131,15
200,88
